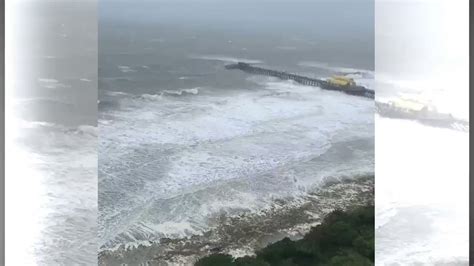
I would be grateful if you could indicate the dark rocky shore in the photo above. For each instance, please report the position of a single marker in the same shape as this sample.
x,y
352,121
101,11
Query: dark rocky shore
x,y
242,235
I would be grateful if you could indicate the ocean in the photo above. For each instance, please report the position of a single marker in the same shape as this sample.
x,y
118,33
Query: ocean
x,y
183,141
154,152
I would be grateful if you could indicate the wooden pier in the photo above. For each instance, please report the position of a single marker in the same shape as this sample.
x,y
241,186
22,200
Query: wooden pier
x,y
352,90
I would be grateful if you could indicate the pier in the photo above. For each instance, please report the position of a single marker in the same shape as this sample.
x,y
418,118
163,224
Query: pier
x,y
352,90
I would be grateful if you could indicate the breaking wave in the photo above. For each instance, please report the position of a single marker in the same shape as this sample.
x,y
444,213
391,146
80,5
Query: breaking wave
x,y
51,83
192,158
225,59
326,66
126,69
193,91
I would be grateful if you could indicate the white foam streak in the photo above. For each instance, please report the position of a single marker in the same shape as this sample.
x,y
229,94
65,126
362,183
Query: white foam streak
x,y
182,152
224,58
333,68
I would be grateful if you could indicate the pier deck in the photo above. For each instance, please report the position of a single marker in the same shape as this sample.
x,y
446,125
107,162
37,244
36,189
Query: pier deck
x,y
352,90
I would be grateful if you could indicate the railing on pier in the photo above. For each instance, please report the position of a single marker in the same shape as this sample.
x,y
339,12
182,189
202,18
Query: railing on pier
x,y
279,74
352,90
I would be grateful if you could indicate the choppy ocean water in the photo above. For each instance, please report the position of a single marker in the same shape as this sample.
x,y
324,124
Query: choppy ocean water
x,y
183,141
172,159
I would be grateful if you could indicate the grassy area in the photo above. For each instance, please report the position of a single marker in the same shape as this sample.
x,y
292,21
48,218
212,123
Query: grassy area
x,y
343,238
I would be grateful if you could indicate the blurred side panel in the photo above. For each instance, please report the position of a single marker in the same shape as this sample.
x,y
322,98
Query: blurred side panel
x,y
51,135
422,132
2,134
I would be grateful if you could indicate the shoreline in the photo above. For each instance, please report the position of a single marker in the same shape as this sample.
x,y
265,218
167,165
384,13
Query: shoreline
x,y
241,235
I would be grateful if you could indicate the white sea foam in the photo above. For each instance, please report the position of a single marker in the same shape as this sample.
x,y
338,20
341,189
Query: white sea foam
x,y
333,68
34,124
226,59
179,92
126,69
48,80
362,77
92,130
51,83
116,93
194,91
152,97
191,158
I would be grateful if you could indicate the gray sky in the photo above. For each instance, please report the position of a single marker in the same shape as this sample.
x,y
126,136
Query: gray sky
x,y
350,17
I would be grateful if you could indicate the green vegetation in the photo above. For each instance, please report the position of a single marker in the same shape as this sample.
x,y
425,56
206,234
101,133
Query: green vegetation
x,y
343,238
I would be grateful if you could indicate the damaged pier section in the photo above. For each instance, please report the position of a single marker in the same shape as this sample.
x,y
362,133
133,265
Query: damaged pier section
x,y
356,90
